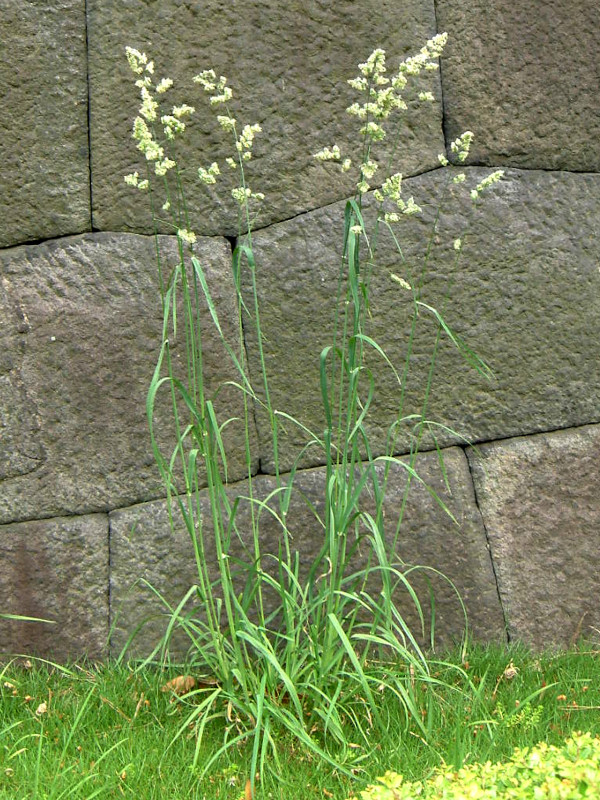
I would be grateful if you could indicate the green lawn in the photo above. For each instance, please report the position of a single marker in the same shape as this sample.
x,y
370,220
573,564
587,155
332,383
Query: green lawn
x,y
110,731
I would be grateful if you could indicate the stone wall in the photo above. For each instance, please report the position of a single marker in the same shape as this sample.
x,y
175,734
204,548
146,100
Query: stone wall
x,y
82,514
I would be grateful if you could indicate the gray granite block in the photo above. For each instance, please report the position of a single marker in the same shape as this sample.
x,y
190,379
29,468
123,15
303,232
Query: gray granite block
x,y
45,171
539,499
80,337
56,570
524,295
523,77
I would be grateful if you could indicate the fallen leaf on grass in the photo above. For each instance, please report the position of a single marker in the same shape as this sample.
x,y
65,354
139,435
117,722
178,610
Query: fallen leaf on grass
x,y
182,684
510,672
41,709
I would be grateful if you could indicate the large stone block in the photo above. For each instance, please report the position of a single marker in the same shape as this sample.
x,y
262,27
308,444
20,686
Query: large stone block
x,y
44,172
538,496
81,332
56,570
287,63
145,548
524,295
522,76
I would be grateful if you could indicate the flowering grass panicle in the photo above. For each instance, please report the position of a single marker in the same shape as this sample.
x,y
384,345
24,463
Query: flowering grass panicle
x,y
385,96
315,664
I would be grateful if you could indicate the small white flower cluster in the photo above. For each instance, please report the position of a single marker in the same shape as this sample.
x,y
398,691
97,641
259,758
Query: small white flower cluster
x,y
133,180
328,154
187,236
404,284
494,177
138,61
208,81
163,85
208,176
172,123
244,193
161,167
227,123
392,190
244,143
333,154
148,113
426,57
461,146
383,97
222,94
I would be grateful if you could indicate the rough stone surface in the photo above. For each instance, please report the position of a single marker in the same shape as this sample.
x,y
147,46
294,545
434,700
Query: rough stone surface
x,y
80,336
287,63
539,499
57,570
524,78
44,172
144,547
525,296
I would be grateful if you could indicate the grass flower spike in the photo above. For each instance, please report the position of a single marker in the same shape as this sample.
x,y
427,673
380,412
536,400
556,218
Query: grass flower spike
x,y
137,61
328,154
461,146
384,96
494,177
208,176
189,237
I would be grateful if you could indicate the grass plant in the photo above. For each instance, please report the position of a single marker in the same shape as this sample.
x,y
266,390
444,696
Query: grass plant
x,y
315,667
109,731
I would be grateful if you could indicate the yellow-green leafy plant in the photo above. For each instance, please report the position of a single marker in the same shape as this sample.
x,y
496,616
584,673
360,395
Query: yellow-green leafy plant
x,y
547,772
318,665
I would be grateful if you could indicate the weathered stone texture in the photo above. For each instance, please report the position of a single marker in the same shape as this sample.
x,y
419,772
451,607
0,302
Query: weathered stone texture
x,y
525,296
539,499
80,336
286,62
523,76
144,547
57,570
44,171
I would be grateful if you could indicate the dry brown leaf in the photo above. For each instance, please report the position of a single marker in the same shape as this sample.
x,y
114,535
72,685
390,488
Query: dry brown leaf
x,y
248,791
182,684
510,672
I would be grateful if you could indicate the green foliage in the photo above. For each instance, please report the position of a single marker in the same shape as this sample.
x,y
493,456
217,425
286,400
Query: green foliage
x,y
69,732
569,772
527,717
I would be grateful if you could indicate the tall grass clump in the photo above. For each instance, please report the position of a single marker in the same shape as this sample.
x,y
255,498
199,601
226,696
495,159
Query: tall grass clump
x,y
292,652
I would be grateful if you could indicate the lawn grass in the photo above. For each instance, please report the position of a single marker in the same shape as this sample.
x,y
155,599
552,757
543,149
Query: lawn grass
x,y
108,730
